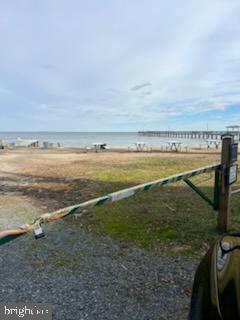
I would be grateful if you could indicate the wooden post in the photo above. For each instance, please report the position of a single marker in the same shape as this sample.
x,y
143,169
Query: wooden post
x,y
224,215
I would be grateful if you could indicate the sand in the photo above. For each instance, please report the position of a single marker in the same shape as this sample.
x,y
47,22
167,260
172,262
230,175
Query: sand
x,y
33,181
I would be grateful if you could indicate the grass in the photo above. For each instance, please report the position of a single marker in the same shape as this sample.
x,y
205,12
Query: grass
x,y
147,169
171,218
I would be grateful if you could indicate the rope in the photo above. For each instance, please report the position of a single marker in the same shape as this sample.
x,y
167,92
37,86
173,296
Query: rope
x,y
8,235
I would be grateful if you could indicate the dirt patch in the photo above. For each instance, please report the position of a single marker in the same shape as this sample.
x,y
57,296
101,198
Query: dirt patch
x,y
47,180
16,210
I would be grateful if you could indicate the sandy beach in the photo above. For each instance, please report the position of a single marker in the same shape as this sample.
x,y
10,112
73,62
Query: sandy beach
x,y
50,179
54,178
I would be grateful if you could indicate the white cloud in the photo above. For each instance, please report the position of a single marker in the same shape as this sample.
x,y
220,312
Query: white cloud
x,y
140,86
125,61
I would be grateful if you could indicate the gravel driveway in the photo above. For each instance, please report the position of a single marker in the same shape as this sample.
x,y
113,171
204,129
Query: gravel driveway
x,y
88,277
83,276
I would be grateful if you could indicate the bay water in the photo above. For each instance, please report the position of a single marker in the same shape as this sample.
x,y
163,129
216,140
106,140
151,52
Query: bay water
x,y
83,139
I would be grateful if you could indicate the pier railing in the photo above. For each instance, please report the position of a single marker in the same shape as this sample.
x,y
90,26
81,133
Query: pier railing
x,y
213,135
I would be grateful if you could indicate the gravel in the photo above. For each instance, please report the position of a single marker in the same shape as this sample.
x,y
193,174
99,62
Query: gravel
x,y
85,276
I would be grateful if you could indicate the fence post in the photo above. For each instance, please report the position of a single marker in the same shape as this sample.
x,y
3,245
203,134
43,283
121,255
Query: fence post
x,y
224,215
216,189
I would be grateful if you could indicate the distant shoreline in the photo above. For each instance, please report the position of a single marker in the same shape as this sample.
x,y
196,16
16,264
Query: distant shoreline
x,y
184,150
112,139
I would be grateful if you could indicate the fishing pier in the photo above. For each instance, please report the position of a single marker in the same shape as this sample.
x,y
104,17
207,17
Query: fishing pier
x,y
211,135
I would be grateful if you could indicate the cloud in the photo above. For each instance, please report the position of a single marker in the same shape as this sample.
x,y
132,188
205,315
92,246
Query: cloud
x,y
48,66
146,93
140,86
85,66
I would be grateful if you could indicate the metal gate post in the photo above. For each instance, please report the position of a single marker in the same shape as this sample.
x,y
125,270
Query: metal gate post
x,y
216,190
224,215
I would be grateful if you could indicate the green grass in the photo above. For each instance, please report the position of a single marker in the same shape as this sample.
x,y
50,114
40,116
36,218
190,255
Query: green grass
x,y
171,218
146,169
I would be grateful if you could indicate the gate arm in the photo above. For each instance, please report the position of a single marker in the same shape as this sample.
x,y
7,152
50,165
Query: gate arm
x,y
199,192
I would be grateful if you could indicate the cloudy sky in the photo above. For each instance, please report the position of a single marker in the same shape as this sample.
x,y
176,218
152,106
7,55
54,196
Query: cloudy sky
x,y
119,65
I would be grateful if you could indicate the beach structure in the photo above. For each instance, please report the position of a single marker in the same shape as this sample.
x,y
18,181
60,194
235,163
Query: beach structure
x,y
209,135
1,144
140,145
27,143
100,146
47,144
174,145
214,143
233,128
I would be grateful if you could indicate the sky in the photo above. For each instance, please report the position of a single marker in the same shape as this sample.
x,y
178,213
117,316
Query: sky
x,y
119,65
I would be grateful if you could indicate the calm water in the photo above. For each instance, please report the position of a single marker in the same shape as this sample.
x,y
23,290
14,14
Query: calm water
x,y
82,139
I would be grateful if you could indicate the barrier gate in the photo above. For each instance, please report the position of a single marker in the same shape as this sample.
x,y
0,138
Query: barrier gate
x,y
225,176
